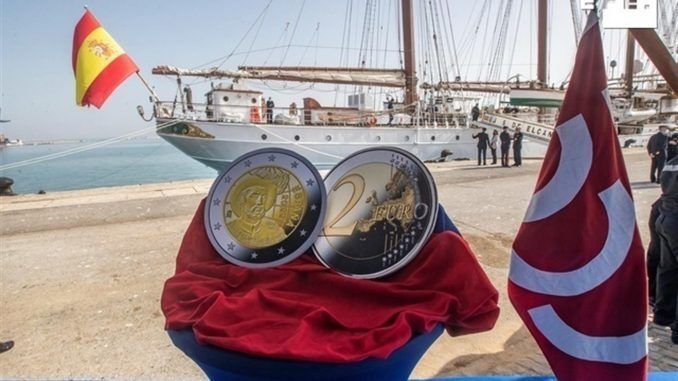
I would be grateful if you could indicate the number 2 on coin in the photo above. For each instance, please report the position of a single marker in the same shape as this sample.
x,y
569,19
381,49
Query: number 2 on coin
x,y
358,183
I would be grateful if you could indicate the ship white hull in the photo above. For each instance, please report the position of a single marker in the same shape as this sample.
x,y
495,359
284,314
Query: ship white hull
x,y
325,146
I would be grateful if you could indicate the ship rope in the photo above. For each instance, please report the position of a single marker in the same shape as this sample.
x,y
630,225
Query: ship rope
x,y
515,40
470,42
388,29
223,59
310,44
368,28
87,147
498,57
486,37
345,40
576,20
294,31
256,36
277,43
455,62
440,55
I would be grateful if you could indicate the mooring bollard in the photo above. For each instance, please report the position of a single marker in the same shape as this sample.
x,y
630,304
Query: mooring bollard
x,y
6,186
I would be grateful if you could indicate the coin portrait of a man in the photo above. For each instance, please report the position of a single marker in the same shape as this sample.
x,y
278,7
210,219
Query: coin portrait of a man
x,y
251,200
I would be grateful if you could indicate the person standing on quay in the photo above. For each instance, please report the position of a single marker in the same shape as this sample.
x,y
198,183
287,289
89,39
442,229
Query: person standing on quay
x,y
475,113
389,107
505,139
483,140
672,147
666,302
269,110
517,147
493,145
653,253
656,148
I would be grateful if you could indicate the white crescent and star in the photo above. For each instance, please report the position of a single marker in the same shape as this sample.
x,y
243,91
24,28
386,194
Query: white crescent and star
x,y
576,157
573,169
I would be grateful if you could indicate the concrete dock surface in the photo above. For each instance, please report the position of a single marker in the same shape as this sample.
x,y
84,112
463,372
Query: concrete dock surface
x,y
81,273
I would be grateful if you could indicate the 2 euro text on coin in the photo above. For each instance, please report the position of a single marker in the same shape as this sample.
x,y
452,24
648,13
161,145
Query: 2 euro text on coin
x,y
381,208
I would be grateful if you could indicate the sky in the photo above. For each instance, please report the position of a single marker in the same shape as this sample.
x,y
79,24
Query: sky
x,y
36,77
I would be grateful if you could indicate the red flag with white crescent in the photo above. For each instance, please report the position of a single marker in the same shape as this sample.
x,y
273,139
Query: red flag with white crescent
x,y
577,276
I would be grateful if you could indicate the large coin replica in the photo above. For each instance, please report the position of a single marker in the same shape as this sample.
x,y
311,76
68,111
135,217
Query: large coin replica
x,y
381,209
266,209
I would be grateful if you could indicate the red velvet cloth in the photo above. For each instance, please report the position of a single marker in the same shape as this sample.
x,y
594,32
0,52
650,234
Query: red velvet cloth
x,y
305,311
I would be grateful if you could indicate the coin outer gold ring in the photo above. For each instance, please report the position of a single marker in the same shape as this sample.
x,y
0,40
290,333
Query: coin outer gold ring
x,y
299,240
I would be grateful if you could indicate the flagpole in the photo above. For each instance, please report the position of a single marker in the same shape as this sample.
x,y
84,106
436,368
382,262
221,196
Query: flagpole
x,y
150,90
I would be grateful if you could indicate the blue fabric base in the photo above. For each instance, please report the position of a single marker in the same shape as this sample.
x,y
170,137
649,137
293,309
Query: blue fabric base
x,y
221,364
444,222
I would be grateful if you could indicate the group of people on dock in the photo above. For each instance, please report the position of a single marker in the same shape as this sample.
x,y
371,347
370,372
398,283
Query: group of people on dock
x,y
662,252
504,140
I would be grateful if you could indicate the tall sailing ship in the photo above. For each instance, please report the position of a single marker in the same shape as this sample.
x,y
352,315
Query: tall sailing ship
x,y
432,121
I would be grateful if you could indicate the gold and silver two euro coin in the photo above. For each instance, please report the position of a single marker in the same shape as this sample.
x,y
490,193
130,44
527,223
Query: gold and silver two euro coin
x,y
265,209
381,209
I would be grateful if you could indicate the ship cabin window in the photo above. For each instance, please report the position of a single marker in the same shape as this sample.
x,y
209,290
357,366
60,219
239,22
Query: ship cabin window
x,y
433,138
264,137
328,138
225,98
296,137
254,100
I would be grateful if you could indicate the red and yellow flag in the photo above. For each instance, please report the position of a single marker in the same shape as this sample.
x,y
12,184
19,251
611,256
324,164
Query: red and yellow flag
x,y
99,63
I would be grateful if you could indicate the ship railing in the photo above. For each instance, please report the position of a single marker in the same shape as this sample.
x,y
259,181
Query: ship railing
x,y
329,116
533,116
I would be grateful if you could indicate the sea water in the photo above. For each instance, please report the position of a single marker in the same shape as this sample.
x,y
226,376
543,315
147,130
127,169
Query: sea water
x,y
129,162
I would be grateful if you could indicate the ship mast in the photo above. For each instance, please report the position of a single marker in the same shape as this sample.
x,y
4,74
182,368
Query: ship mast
x,y
542,48
659,54
408,53
630,54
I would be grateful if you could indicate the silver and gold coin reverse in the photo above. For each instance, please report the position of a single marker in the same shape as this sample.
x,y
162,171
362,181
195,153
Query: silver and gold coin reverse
x,y
381,208
266,209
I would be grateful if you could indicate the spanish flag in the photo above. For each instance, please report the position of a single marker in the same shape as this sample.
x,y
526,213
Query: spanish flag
x,y
99,63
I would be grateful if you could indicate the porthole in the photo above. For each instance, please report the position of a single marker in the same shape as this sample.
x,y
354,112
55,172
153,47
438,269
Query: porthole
x,y
378,138
296,137
254,100
407,138
456,137
264,137
328,138
225,98
433,138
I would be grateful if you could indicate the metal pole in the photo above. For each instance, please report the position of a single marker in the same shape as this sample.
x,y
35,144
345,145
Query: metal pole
x,y
659,54
408,53
542,48
630,54
150,90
